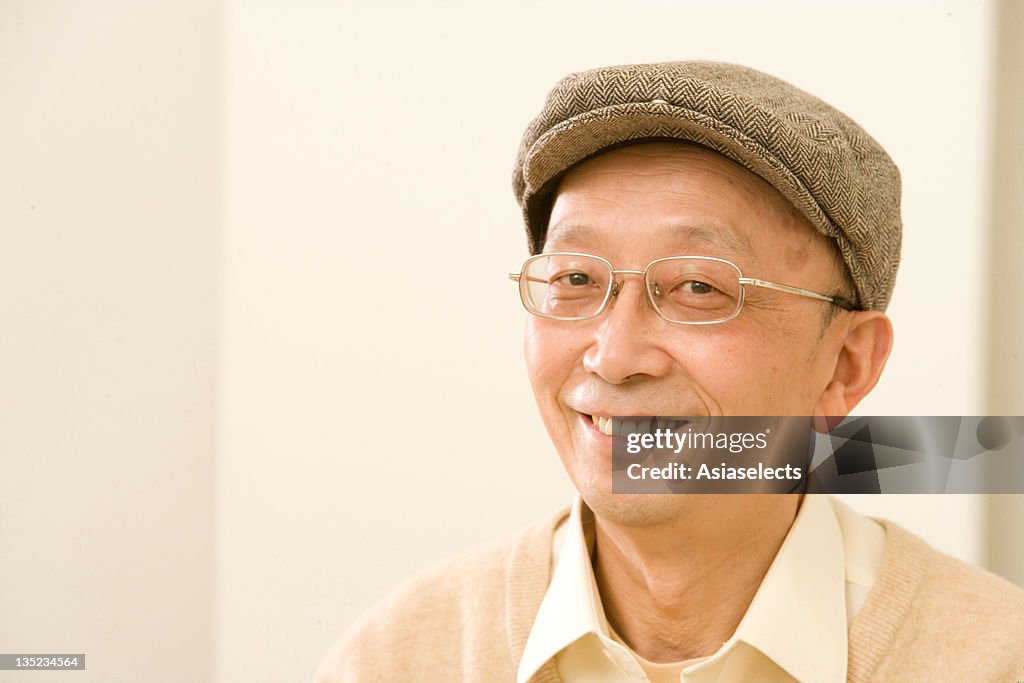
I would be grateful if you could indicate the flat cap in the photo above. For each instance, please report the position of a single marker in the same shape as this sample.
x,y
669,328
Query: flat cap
x,y
818,158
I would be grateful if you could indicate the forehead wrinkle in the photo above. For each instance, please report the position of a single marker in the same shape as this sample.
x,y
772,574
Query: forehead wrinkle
x,y
706,235
714,236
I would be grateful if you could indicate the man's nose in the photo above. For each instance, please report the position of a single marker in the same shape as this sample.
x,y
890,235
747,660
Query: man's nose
x,y
628,341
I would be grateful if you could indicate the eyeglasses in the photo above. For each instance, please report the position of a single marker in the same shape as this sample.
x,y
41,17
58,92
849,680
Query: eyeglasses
x,y
689,290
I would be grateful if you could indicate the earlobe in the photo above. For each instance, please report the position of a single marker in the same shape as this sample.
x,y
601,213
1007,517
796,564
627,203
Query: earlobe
x,y
831,408
864,351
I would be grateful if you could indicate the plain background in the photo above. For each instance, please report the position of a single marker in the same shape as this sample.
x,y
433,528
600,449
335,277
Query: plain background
x,y
259,358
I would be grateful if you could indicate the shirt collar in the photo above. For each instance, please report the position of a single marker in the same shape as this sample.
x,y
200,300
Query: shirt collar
x,y
797,617
572,606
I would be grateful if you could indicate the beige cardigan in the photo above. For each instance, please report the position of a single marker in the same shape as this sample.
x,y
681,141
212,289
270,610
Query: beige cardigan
x,y
929,617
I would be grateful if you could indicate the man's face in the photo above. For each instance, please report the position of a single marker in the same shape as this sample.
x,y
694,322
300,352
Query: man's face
x,y
637,204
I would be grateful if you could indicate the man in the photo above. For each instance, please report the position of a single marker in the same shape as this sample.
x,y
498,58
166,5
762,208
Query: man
x,y
649,191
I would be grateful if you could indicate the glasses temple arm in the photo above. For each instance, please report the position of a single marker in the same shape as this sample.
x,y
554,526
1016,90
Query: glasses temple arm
x,y
518,276
839,301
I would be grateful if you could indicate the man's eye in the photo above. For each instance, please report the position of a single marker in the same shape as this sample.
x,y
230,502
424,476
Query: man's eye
x,y
576,279
695,287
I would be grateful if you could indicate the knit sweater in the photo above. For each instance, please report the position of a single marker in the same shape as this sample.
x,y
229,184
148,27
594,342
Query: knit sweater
x,y
929,617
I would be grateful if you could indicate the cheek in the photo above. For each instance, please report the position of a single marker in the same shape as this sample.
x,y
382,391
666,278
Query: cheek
x,y
745,369
789,369
551,360
549,356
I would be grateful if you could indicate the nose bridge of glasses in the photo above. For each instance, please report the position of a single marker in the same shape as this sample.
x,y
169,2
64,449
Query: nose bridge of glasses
x,y
617,284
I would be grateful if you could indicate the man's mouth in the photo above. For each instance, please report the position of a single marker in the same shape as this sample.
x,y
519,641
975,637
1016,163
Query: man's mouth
x,y
634,425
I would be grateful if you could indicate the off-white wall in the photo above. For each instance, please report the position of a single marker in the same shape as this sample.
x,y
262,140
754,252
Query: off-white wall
x,y
1005,349
109,276
376,417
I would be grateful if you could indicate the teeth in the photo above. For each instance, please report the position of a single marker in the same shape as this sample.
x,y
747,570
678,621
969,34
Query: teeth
x,y
636,425
603,424
673,425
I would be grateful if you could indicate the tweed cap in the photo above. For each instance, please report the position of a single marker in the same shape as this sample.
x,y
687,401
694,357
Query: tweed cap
x,y
818,158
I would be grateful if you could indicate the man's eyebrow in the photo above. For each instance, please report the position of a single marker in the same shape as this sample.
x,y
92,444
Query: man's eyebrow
x,y
706,235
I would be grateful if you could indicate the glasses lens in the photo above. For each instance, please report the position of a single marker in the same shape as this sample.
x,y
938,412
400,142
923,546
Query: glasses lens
x,y
565,286
695,290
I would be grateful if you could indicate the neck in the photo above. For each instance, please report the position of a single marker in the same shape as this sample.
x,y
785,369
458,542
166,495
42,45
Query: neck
x,y
678,589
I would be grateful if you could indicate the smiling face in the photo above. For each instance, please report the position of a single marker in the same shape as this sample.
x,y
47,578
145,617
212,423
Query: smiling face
x,y
645,202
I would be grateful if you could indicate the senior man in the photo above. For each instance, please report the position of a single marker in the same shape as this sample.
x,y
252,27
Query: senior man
x,y
708,240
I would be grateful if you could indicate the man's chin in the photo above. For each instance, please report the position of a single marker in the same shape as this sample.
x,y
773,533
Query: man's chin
x,y
634,509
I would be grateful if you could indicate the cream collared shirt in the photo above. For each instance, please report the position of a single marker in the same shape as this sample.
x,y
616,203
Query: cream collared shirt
x,y
794,629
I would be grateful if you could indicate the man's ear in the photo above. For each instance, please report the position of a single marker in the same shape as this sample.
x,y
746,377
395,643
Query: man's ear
x,y
865,348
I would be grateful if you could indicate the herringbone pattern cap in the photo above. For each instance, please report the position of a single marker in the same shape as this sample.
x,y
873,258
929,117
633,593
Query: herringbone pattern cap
x,y
817,157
